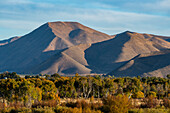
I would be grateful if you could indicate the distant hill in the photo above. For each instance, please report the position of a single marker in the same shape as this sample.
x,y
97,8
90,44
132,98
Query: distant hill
x,y
162,37
4,42
151,64
108,55
70,47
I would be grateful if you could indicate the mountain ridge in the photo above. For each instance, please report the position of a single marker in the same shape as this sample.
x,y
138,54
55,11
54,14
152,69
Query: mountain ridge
x,y
70,47
146,65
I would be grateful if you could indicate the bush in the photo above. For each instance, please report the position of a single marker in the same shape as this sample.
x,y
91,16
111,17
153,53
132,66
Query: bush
x,y
21,110
13,110
84,105
70,104
152,110
166,102
43,110
88,110
49,103
61,109
116,104
79,104
1,105
96,106
92,99
152,93
150,102
135,111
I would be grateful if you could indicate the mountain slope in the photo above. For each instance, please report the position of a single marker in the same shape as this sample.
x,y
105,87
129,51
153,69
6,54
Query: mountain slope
x,y
69,48
69,61
44,42
166,38
73,33
108,55
4,42
151,64
104,56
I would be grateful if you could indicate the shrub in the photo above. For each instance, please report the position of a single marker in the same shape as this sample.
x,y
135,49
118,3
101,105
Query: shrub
x,y
168,95
135,111
13,110
83,104
79,104
1,105
150,102
43,110
6,110
88,110
96,106
70,104
152,93
21,110
166,102
92,99
49,103
152,110
61,109
116,104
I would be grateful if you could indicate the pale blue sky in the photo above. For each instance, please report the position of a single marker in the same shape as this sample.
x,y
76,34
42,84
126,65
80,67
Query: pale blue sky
x,y
19,17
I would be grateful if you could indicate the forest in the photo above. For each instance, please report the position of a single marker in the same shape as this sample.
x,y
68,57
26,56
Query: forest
x,y
83,94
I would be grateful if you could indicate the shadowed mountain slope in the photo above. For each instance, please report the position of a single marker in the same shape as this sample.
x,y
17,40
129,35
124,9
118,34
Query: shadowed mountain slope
x,y
104,56
69,61
151,64
4,42
108,55
47,40
69,48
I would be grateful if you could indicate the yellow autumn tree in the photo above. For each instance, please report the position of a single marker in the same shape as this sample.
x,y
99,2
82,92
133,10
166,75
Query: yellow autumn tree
x,y
116,104
138,94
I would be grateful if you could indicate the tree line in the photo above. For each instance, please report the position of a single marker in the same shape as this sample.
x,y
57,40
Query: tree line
x,y
81,86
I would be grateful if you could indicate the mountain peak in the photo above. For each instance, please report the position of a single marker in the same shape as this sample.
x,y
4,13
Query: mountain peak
x,y
128,32
63,22
65,26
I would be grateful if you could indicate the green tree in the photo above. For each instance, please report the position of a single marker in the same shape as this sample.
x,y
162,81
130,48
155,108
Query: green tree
x,y
168,76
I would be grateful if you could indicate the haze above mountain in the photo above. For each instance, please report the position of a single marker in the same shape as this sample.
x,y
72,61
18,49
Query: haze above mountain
x,y
69,48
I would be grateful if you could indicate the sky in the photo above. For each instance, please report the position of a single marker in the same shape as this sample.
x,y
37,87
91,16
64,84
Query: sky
x,y
19,17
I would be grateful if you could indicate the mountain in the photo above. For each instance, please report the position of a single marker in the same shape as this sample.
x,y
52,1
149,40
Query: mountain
x,y
166,38
47,40
151,64
4,42
70,47
106,56
101,57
